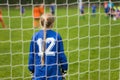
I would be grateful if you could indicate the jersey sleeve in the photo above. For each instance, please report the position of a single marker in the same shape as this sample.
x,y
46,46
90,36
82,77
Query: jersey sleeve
x,y
31,56
62,57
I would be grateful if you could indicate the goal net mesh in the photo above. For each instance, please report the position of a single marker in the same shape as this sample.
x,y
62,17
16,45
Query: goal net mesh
x,y
91,40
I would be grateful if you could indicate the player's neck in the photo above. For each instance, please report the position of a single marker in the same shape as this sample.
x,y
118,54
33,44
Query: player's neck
x,y
46,28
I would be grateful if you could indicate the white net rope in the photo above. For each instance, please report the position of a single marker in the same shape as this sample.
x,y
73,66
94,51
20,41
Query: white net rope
x,y
91,41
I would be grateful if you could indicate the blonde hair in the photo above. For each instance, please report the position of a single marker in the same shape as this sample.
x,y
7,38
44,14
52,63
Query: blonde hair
x,y
47,20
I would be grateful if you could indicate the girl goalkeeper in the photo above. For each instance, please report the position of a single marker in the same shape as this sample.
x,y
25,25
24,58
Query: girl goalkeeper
x,y
47,60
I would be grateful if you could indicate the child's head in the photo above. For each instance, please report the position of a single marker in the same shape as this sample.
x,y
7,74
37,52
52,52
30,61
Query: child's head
x,y
105,2
47,20
42,5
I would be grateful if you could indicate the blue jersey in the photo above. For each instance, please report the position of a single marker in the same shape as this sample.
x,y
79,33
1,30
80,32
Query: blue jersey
x,y
82,10
107,9
52,7
93,8
55,59
22,10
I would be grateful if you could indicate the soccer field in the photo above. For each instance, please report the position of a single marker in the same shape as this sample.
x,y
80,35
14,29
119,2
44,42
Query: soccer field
x,y
92,44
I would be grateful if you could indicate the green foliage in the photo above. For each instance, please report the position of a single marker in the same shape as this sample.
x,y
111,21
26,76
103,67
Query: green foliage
x,y
46,1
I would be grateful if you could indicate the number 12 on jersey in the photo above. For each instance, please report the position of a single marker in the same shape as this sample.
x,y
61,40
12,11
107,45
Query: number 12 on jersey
x,y
48,50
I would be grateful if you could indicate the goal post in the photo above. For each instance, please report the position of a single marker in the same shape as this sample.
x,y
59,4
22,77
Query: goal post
x,y
91,41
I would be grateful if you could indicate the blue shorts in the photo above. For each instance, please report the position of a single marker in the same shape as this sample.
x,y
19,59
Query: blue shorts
x,y
82,11
93,11
106,10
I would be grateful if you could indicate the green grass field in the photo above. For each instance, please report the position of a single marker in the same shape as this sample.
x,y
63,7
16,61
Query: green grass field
x,y
92,44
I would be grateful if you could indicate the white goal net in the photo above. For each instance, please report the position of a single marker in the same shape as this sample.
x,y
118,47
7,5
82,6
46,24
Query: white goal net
x,y
91,37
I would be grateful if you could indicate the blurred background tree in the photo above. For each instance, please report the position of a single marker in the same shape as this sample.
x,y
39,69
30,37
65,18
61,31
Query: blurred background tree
x,y
46,1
